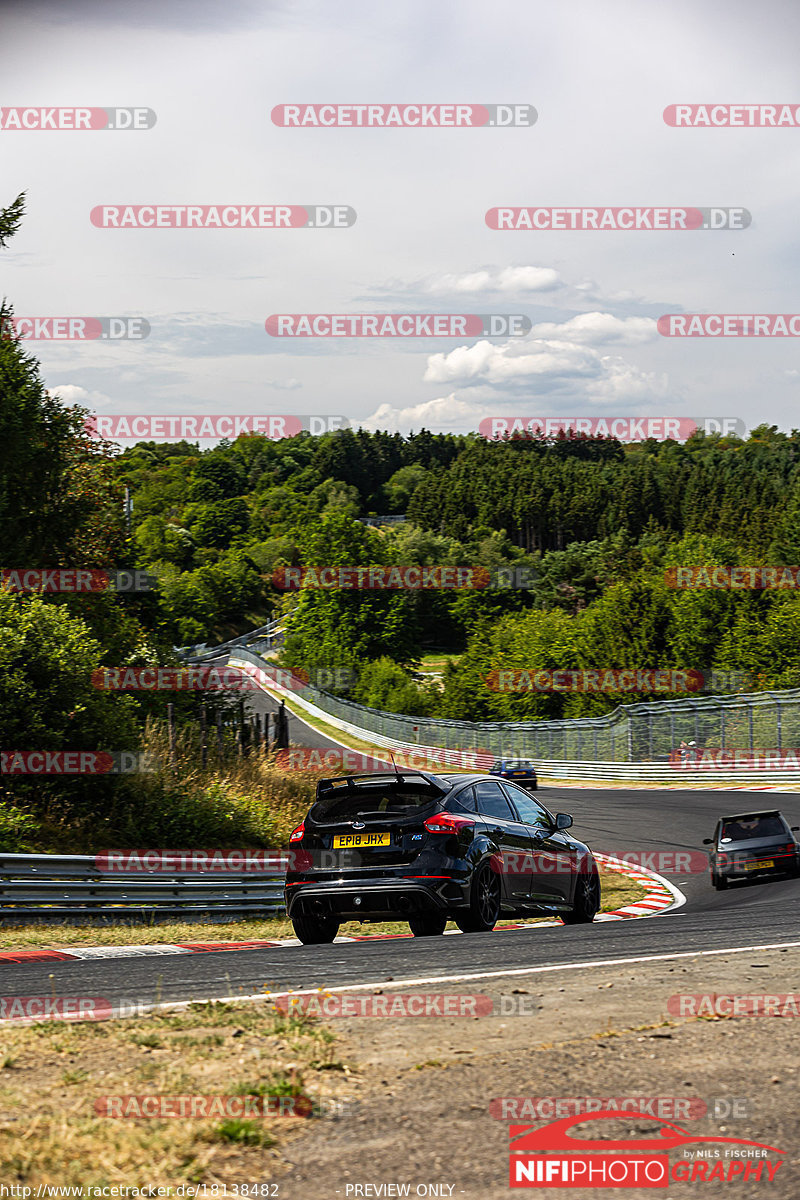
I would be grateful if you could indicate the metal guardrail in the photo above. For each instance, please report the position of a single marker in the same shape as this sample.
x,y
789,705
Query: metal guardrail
x,y
434,757
264,637
632,733
50,887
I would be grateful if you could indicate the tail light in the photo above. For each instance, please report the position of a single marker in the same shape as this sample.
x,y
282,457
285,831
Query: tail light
x,y
722,859
297,834
445,822
789,848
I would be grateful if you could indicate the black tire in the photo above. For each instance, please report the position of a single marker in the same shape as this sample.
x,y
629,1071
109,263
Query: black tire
x,y
587,899
428,925
315,931
719,881
484,902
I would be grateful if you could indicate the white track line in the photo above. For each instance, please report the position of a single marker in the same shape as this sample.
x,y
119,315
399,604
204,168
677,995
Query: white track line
x,y
420,981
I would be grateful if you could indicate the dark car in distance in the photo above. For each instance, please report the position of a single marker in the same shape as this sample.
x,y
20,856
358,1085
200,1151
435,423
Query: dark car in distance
x,y
521,770
751,844
424,848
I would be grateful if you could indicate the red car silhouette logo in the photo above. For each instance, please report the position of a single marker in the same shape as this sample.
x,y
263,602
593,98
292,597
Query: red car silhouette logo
x,y
555,1136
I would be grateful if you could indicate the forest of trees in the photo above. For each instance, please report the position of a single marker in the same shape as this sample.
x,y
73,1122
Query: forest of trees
x,y
597,524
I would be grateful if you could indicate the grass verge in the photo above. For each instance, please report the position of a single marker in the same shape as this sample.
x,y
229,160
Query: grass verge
x,y
52,1074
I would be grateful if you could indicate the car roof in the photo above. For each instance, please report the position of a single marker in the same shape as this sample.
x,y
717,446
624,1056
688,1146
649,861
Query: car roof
x,y
748,816
456,779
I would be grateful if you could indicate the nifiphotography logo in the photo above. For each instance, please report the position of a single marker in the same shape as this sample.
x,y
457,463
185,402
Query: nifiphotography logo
x,y
633,1162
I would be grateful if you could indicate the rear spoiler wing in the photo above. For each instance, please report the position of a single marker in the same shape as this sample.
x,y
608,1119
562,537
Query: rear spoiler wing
x,y
341,783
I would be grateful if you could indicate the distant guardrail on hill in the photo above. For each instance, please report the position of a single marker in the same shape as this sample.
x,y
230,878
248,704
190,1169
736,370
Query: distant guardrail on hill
x,y
632,733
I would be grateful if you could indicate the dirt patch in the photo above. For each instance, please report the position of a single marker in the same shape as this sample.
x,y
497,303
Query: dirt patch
x,y
425,1086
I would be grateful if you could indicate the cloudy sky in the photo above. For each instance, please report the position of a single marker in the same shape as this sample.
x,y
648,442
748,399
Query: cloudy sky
x,y
599,76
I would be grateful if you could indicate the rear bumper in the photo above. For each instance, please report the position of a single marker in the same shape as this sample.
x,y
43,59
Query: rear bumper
x,y
784,864
379,900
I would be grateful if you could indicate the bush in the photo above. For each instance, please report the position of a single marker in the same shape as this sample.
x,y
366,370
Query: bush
x,y
244,803
17,830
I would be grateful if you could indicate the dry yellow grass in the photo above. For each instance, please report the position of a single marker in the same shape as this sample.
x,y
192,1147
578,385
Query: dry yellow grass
x,y
51,1075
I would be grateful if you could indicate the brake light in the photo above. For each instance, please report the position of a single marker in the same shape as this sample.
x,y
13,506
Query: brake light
x,y
445,822
722,858
297,834
789,848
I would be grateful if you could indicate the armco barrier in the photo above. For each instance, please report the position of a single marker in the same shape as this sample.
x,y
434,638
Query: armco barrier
x,y
549,768
646,732
50,887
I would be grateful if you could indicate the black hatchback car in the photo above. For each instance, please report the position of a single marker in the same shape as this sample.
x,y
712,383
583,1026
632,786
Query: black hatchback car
x,y
423,848
751,844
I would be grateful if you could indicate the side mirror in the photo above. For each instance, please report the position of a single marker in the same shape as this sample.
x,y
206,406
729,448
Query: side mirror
x,y
708,841
795,828
563,821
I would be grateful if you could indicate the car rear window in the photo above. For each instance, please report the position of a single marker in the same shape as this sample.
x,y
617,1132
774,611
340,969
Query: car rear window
x,y
373,799
518,764
753,827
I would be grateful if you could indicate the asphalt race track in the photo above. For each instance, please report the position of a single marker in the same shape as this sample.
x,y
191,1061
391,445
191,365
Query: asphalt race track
x,y
753,913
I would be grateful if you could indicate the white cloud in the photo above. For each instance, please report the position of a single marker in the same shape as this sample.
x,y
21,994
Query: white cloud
x,y
447,413
596,328
545,367
285,385
513,362
621,384
70,393
511,280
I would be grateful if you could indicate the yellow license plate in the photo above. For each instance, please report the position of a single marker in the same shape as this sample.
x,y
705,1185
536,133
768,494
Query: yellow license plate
x,y
757,866
519,772
344,841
